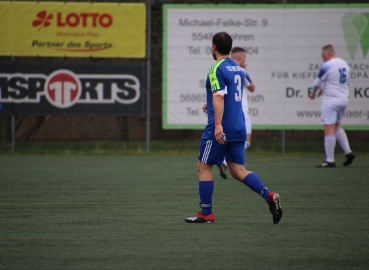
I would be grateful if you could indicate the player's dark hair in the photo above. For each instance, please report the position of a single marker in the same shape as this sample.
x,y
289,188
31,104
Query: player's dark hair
x,y
237,50
329,47
223,42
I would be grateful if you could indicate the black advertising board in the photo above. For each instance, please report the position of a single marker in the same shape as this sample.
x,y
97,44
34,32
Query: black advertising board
x,y
72,88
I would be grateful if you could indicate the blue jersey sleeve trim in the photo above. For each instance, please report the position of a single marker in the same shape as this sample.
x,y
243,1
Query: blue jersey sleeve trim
x,y
247,77
323,70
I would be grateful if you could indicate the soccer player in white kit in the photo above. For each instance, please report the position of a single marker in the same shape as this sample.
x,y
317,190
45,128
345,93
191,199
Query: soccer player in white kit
x,y
238,54
332,83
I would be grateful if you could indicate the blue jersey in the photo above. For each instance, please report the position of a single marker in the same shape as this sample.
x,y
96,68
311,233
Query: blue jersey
x,y
228,76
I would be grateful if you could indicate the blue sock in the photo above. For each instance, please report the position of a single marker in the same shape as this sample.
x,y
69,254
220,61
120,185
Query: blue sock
x,y
206,193
253,182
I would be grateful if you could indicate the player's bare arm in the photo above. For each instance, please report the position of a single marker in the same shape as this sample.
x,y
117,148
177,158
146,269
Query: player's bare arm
x,y
218,104
251,87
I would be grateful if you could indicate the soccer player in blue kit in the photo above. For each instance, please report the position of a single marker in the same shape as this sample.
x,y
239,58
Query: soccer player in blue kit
x,y
225,133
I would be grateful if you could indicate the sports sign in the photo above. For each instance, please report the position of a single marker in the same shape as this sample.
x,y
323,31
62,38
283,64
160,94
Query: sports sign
x,y
73,29
72,88
283,44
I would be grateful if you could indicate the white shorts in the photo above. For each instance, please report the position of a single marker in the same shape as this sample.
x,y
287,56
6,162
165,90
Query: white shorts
x,y
248,125
332,113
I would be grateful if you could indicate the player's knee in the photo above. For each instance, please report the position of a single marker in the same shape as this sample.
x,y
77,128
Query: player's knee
x,y
238,173
203,167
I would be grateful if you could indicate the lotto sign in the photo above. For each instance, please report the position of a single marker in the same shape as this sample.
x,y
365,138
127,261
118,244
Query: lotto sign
x,y
283,44
73,29
72,88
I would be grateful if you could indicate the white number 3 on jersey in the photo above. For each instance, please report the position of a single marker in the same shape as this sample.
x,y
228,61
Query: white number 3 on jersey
x,y
238,82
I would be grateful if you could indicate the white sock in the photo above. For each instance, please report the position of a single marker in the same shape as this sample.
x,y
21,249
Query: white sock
x,y
343,141
247,145
329,145
225,162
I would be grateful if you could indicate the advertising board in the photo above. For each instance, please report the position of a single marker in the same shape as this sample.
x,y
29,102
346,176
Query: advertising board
x,y
283,44
73,29
72,88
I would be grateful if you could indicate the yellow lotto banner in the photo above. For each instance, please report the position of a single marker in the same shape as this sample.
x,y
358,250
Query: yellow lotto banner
x,y
73,29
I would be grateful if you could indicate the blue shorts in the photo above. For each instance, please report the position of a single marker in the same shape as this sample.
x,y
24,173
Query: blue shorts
x,y
211,152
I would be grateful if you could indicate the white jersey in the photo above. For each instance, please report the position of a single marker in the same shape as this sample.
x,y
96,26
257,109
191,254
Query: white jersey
x,y
333,77
245,105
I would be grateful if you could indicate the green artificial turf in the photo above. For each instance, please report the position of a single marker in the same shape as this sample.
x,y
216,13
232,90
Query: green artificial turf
x,y
127,212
